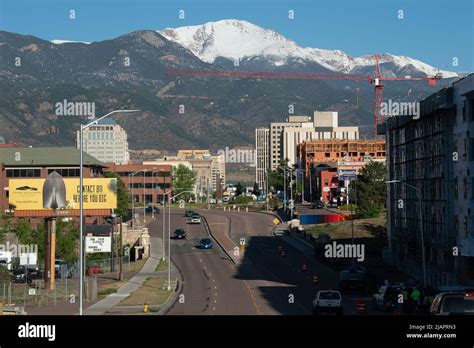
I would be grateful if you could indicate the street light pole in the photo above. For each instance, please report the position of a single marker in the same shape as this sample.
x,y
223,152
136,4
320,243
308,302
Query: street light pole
x,y
81,204
422,238
144,199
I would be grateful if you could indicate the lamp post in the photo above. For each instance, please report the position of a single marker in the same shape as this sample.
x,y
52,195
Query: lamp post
x,y
418,193
169,232
133,199
144,198
81,203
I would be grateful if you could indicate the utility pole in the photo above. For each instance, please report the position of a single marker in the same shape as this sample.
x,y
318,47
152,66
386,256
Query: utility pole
x,y
121,252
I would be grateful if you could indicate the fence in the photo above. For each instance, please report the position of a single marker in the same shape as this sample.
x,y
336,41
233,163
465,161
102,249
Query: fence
x,y
107,265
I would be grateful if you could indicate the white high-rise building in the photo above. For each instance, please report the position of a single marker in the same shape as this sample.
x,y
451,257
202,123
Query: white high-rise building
x,y
276,132
324,127
262,153
106,141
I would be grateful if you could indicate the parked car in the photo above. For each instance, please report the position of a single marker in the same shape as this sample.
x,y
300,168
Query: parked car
x,y
453,303
205,243
386,298
327,301
22,275
179,233
196,219
188,213
151,209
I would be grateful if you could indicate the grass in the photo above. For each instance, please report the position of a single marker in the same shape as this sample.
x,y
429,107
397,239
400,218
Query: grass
x,y
162,266
363,228
106,291
152,292
136,266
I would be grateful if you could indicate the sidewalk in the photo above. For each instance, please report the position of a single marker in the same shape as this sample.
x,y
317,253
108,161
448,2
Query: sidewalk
x,y
156,253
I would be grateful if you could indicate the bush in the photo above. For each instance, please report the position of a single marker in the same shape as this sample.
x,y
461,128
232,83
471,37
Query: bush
x,y
4,275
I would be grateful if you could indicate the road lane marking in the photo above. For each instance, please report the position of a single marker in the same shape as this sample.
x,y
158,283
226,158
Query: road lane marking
x,y
253,298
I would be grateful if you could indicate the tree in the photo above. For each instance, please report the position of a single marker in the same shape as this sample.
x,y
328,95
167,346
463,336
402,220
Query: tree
x,y
184,179
369,191
238,189
24,232
276,178
256,191
67,236
123,198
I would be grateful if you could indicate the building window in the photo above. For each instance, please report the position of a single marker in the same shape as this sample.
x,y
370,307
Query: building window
x,y
465,226
465,187
23,173
456,187
66,172
464,110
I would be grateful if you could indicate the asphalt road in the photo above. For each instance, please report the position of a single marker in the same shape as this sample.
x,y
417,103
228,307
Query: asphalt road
x,y
209,286
261,282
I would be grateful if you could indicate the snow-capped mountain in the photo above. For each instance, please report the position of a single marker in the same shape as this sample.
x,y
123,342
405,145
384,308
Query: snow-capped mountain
x,y
60,42
239,40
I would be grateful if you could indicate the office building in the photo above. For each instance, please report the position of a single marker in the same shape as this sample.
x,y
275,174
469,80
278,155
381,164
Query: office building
x,y
262,153
106,141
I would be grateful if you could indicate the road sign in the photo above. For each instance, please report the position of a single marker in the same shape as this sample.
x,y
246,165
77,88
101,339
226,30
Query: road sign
x,y
96,244
242,241
348,177
276,221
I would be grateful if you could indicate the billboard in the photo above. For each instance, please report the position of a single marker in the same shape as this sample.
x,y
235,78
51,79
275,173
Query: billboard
x,y
62,193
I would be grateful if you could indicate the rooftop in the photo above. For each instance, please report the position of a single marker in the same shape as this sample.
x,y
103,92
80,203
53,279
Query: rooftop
x,y
46,156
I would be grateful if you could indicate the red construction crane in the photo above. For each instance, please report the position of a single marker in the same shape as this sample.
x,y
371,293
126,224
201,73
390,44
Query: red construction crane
x,y
377,79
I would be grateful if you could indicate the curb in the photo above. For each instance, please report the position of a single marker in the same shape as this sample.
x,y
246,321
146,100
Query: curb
x,y
177,291
220,245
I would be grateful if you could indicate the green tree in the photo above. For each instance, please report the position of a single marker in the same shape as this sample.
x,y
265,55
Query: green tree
x,y
123,198
276,178
67,236
369,191
184,179
24,232
238,189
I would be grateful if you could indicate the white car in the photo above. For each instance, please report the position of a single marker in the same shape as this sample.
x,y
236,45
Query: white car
x,y
327,301
195,219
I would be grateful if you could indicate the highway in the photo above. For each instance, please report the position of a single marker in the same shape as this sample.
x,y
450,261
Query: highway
x,y
261,282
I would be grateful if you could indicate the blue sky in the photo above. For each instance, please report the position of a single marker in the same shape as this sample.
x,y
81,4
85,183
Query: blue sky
x,y
433,31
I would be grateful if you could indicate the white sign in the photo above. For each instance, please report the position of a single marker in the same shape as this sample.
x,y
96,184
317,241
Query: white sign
x,y
242,241
32,292
326,189
98,244
181,203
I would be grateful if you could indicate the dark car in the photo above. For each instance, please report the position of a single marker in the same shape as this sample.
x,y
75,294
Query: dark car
x,y
205,243
179,233
356,278
453,303
151,209
317,205
189,213
22,275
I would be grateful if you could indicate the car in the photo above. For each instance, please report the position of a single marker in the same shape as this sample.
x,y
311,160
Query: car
x,y
188,213
453,303
386,298
318,205
357,278
151,209
226,198
205,243
179,233
327,301
195,219
22,275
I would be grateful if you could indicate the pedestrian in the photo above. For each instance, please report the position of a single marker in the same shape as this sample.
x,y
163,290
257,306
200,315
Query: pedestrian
x,y
415,297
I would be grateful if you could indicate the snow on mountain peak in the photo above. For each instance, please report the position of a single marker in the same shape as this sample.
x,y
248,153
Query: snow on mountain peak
x,y
237,39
